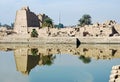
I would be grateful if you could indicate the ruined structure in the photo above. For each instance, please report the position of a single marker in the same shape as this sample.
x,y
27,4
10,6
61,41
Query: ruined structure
x,y
115,74
27,20
106,29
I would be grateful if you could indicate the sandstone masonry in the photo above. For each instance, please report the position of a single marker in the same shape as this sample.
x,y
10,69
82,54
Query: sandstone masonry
x,y
115,74
27,20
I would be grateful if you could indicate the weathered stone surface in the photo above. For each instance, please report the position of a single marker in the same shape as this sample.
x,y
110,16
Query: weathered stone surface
x,y
25,20
114,71
115,74
116,67
117,80
112,80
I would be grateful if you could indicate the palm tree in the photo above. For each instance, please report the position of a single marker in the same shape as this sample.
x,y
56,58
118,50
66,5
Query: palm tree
x,y
48,22
48,59
85,20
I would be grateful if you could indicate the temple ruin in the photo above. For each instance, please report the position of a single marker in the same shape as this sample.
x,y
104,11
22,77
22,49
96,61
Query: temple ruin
x,y
27,20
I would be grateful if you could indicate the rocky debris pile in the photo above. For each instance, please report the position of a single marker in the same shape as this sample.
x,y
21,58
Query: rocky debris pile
x,y
115,74
107,29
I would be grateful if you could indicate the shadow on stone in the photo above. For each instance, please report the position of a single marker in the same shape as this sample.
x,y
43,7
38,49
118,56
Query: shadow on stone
x,y
77,42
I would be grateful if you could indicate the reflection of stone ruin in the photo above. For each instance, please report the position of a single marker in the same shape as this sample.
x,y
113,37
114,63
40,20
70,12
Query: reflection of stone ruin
x,y
28,56
115,74
26,60
93,51
26,21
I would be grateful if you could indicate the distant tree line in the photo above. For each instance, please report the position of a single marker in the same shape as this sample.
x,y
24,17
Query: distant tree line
x,y
48,22
7,26
86,19
60,25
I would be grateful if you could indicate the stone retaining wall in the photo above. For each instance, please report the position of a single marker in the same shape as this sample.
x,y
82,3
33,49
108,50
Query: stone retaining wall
x,y
64,40
101,40
50,40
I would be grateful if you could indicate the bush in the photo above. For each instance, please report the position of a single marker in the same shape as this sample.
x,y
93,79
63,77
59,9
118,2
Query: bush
x,y
34,51
34,33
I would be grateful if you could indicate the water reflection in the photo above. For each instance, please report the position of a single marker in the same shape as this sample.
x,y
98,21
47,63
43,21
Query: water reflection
x,y
29,56
85,59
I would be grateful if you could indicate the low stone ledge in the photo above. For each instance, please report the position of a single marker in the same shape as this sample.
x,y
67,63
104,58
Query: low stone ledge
x,y
63,40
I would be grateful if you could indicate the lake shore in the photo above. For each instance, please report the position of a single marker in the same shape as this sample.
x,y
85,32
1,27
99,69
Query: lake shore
x,y
63,40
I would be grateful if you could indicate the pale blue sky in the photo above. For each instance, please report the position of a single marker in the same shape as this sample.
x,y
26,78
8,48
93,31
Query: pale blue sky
x,y
71,10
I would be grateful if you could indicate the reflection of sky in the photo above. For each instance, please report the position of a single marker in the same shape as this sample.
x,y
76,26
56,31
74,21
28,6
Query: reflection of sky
x,y
66,68
8,71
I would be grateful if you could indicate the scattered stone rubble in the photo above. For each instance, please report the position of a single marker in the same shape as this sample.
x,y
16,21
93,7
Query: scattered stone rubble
x,y
115,74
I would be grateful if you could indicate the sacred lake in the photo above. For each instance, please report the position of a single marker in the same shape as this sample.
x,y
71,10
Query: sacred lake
x,y
57,62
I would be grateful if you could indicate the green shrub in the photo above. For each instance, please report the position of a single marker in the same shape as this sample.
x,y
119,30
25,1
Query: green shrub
x,y
34,33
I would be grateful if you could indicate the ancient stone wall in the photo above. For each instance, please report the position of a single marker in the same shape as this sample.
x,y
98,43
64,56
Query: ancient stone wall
x,y
25,19
21,21
32,19
117,27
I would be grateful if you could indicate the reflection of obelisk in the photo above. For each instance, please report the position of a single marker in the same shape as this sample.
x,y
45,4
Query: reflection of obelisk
x,y
25,61
21,59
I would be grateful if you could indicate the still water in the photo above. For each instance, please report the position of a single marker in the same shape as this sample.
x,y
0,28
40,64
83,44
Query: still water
x,y
57,63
